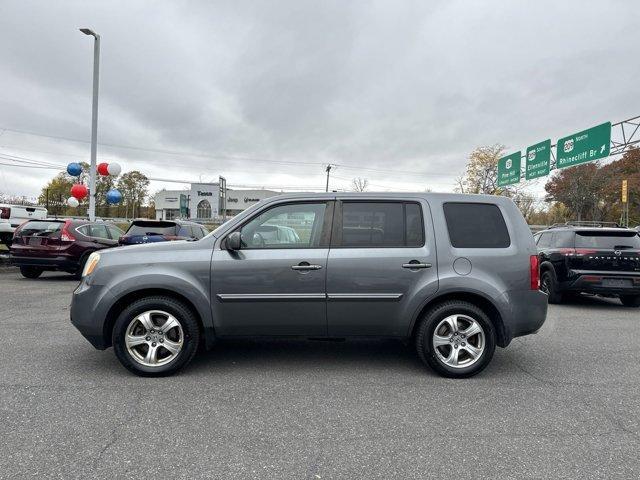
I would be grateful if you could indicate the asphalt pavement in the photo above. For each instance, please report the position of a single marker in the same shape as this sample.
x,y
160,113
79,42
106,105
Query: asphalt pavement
x,y
564,403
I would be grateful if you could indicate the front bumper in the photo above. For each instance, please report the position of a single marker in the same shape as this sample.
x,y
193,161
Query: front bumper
x,y
90,305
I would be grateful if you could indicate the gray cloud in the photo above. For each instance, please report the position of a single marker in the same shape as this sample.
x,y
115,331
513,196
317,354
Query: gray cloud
x,y
411,86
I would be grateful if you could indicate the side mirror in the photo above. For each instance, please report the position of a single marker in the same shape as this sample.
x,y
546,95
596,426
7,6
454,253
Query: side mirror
x,y
234,241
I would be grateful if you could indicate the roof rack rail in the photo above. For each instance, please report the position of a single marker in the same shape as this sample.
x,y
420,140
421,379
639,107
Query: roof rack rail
x,y
592,223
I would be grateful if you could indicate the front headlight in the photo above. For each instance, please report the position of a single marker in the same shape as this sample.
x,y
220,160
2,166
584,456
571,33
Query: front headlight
x,y
92,263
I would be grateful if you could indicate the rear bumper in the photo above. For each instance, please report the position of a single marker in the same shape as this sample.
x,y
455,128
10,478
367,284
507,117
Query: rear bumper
x,y
90,305
523,312
53,263
596,282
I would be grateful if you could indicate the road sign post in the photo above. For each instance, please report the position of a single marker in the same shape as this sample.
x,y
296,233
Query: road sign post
x,y
538,160
509,169
584,146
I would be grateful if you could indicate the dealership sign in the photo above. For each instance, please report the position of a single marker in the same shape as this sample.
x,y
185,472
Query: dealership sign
x,y
584,146
509,169
538,160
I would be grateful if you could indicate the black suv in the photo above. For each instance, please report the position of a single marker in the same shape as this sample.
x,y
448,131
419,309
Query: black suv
x,y
590,257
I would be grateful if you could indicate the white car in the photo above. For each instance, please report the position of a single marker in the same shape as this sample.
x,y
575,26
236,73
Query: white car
x,y
11,216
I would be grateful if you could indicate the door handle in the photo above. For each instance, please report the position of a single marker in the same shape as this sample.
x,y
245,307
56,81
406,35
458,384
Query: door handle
x,y
414,264
304,267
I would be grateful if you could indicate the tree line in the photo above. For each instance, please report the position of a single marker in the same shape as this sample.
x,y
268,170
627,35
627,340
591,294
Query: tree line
x,y
132,185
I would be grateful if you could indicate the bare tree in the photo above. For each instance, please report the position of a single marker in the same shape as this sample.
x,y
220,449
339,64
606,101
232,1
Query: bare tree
x,y
359,184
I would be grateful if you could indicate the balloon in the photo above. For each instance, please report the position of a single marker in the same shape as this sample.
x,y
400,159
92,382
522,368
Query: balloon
x,y
114,196
74,169
103,168
73,202
79,191
114,169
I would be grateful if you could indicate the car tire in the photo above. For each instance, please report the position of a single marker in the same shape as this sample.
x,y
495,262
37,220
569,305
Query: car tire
x,y
430,331
630,300
81,263
136,358
31,272
549,285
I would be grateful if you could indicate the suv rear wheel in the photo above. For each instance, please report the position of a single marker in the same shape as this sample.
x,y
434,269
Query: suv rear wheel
x,y
155,336
630,300
456,339
549,286
31,272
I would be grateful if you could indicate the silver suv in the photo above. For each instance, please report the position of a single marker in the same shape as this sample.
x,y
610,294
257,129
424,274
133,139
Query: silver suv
x,y
458,274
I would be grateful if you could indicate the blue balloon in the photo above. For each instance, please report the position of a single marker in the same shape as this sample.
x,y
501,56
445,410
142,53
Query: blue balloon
x,y
114,196
74,169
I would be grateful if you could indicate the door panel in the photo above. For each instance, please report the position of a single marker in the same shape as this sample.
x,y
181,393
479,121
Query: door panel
x,y
256,292
276,283
376,290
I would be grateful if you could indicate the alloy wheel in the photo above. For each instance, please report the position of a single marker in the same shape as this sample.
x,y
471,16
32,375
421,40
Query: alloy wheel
x,y
154,338
459,341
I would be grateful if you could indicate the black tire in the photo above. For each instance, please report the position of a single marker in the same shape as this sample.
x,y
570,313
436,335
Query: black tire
x,y
187,321
429,322
81,264
549,285
31,272
630,300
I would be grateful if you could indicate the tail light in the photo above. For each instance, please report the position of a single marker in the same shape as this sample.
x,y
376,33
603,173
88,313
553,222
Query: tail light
x,y
65,235
534,272
5,213
576,252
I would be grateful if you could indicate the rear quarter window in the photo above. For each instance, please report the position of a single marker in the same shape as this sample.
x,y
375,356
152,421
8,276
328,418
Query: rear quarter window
x,y
476,225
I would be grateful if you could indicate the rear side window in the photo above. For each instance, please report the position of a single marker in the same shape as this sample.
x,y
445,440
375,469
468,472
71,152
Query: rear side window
x,y
563,239
476,225
608,240
381,224
545,240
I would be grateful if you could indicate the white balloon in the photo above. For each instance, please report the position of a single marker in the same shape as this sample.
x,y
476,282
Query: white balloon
x,y
114,169
73,202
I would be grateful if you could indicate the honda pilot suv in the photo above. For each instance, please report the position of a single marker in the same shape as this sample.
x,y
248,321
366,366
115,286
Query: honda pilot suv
x,y
457,274
590,258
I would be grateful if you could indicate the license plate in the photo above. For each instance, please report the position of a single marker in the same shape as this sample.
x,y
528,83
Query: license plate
x,y
35,241
616,282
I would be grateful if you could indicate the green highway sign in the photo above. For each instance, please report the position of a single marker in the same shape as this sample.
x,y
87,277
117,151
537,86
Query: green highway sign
x,y
584,146
509,169
538,160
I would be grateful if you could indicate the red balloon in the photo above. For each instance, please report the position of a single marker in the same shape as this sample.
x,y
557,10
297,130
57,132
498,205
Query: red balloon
x,y
79,191
103,168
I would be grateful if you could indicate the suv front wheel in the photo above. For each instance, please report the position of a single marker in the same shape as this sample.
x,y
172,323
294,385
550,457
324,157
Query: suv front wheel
x,y
456,339
155,336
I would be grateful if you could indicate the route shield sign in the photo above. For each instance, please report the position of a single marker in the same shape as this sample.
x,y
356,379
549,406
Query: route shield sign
x,y
538,160
584,146
509,169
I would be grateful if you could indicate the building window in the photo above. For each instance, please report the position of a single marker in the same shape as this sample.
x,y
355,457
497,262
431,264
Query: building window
x,y
204,209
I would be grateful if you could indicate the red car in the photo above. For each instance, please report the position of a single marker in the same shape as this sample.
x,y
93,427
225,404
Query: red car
x,y
62,245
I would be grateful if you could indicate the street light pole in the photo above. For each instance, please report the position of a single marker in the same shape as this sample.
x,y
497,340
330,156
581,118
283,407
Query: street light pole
x,y
94,122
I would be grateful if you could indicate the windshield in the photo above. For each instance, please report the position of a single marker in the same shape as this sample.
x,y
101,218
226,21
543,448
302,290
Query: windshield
x,y
41,229
152,228
608,240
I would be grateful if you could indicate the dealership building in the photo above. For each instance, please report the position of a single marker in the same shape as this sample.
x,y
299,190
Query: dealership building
x,y
206,201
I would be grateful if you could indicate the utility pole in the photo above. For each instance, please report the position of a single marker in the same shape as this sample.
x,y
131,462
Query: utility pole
x,y
328,169
94,122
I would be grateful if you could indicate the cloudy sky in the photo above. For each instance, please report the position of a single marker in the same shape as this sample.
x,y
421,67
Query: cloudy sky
x,y
268,92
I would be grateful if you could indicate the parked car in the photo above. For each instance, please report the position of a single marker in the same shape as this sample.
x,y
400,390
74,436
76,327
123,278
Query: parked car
x,y
152,231
11,216
457,274
64,245
590,258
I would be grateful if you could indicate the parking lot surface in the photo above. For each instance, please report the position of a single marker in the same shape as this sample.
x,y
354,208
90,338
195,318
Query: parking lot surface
x,y
564,403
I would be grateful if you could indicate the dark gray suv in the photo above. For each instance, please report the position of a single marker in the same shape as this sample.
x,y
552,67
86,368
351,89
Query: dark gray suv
x,y
458,274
